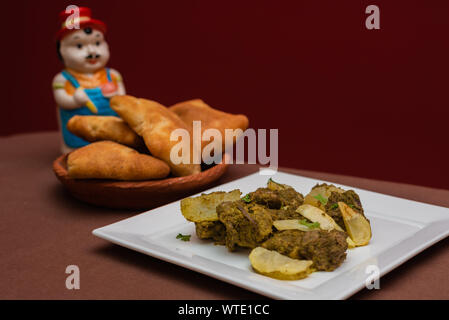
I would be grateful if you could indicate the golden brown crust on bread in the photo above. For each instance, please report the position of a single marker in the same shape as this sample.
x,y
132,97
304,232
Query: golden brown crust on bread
x,y
154,123
99,128
198,110
111,160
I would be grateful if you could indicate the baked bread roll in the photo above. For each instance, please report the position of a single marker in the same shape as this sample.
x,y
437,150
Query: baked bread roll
x,y
111,160
99,128
198,110
155,123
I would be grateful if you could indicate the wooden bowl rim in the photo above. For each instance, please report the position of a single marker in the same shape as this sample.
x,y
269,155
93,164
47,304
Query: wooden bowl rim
x,y
60,169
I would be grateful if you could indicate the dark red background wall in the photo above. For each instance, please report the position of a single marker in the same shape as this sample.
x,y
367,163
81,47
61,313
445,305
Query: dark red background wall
x,y
345,99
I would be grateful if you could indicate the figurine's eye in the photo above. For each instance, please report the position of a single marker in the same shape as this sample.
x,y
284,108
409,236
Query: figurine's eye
x,y
79,45
97,43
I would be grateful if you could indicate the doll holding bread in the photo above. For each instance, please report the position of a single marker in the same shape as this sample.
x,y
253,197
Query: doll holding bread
x,y
85,86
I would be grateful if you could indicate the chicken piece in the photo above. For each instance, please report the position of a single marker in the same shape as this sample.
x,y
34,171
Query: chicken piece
x,y
326,249
214,230
246,226
285,214
350,198
277,199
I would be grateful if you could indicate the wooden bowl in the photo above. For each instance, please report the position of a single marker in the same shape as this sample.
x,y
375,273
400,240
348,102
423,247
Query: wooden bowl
x,y
136,194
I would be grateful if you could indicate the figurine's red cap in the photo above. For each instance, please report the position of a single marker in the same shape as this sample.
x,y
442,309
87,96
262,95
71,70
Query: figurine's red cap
x,y
69,19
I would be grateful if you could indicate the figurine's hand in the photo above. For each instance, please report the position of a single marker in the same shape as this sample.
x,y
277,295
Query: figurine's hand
x,y
80,97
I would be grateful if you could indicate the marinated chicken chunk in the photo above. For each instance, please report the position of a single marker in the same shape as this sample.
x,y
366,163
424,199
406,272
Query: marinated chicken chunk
x,y
350,198
277,199
246,225
326,249
214,230
284,214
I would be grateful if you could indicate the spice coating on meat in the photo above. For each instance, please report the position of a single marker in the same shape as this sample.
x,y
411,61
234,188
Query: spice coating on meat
x,y
350,198
214,230
277,199
246,225
326,249
285,214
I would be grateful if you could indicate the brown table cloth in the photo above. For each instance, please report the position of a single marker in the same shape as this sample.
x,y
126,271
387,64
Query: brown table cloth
x,y
43,230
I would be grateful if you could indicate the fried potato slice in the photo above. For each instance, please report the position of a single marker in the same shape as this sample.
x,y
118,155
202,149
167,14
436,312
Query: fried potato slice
x,y
351,243
203,208
275,265
273,185
319,194
315,214
357,226
292,224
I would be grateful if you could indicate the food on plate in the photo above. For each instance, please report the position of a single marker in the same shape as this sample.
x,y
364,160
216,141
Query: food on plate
x,y
273,185
289,238
155,124
320,194
214,230
203,207
278,266
276,198
327,198
246,226
327,249
183,237
111,160
315,214
284,214
325,221
99,128
198,110
295,224
357,226
350,198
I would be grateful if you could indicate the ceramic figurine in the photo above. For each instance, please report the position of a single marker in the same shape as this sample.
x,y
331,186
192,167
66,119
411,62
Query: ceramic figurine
x,y
85,86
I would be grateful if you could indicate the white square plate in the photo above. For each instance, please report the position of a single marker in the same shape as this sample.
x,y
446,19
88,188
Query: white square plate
x,y
401,229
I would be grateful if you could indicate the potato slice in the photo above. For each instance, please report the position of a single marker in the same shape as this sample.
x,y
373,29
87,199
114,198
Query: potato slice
x,y
357,226
318,196
294,224
273,185
275,265
326,222
350,242
315,214
202,208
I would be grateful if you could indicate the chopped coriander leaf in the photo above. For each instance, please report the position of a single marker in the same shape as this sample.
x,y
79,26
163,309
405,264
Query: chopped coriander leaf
x,y
321,199
247,198
183,237
310,225
334,206
351,205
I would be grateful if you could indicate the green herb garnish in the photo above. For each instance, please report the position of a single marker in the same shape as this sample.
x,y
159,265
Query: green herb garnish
x,y
334,206
310,225
183,237
321,199
247,198
352,206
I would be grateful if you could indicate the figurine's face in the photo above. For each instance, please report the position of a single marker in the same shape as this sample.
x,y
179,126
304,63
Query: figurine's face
x,y
84,50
